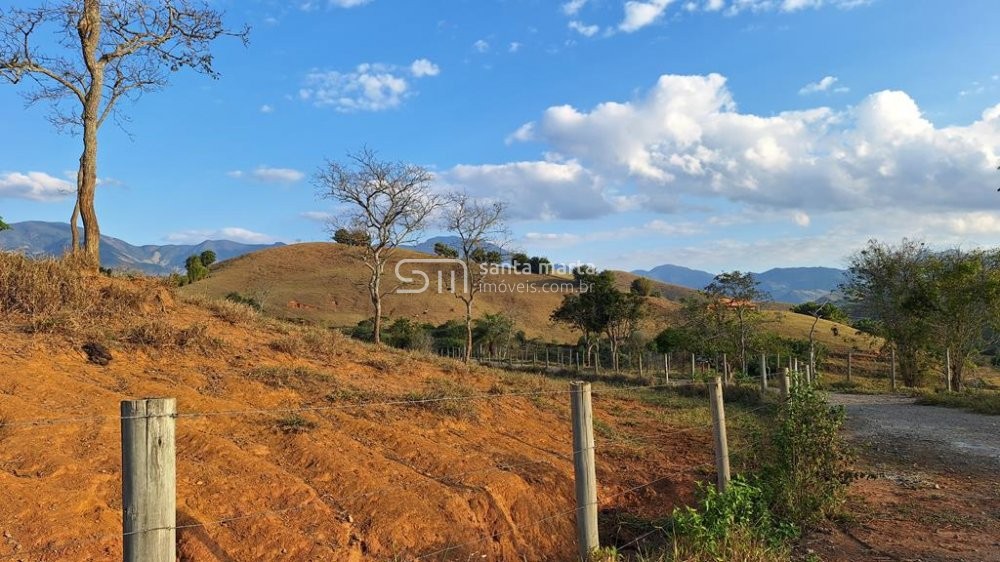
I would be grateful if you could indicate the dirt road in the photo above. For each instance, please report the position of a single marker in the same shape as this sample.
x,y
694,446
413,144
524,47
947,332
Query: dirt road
x,y
930,491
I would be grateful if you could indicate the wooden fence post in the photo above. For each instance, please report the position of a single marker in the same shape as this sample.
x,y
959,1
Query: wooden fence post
x,y
719,430
850,365
892,368
785,383
666,367
149,480
640,365
693,362
584,471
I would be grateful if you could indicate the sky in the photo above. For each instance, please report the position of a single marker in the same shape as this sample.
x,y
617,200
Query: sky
x,y
715,134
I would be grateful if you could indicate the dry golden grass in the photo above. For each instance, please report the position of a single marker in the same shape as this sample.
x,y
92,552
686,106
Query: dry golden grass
x,y
323,284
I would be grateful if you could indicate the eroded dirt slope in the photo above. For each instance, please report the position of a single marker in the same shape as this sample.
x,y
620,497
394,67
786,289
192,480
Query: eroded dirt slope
x,y
260,479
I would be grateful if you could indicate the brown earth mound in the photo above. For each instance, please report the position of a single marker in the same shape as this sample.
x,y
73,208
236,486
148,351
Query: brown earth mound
x,y
293,444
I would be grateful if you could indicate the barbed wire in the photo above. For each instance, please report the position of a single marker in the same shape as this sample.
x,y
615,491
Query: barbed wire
x,y
359,405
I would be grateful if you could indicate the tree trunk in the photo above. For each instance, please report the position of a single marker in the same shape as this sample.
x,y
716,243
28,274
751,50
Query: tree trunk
x,y
74,233
89,28
468,329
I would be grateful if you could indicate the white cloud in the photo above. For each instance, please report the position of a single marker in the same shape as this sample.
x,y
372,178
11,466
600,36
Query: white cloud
x,y
514,47
317,216
523,133
34,186
423,67
737,6
267,174
714,5
823,85
801,219
369,87
640,14
311,5
266,108
236,234
535,190
686,137
582,29
481,46
571,7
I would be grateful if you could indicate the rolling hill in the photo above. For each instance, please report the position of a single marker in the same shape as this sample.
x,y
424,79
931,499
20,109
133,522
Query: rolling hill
x,y
325,283
37,238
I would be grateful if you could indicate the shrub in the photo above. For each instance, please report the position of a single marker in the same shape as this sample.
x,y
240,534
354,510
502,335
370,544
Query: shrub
x,y
741,511
641,286
240,298
438,394
44,286
295,424
287,344
803,464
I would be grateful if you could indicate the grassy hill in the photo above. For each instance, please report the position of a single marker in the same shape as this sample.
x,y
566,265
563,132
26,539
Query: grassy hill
x,y
325,283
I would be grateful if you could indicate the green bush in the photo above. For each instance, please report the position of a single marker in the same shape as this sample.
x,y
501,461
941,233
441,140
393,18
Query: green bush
x,y
207,258
240,298
741,510
803,463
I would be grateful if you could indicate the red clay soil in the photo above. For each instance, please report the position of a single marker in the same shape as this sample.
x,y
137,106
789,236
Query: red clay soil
x,y
486,479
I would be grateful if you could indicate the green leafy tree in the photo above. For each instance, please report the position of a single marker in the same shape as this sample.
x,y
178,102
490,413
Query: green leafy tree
x,y
3,226
540,265
520,261
600,307
445,251
892,286
495,331
673,339
405,333
349,237
641,286
196,270
966,315
737,294
207,258
826,311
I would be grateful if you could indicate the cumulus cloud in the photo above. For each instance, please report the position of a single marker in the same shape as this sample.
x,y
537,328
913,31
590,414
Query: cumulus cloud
x,y
535,189
583,29
737,6
481,46
369,87
640,14
267,174
423,67
685,136
571,7
236,234
523,133
514,47
266,108
825,84
34,186
317,216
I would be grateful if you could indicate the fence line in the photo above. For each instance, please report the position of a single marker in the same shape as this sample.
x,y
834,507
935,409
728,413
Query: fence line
x,y
305,409
605,443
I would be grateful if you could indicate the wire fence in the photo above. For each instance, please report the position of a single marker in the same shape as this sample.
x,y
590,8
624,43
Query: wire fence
x,y
429,479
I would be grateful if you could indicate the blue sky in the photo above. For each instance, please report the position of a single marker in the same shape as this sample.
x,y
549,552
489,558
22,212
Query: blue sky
x,y
714,134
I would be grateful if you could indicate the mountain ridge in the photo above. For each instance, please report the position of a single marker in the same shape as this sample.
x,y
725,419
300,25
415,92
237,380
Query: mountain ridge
x,y
784,284
41,238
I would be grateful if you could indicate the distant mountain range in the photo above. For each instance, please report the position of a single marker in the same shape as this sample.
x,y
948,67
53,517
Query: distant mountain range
x,y
38,238
784,284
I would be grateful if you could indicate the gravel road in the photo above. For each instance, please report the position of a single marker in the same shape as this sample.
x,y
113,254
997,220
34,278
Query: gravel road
x,y
895,425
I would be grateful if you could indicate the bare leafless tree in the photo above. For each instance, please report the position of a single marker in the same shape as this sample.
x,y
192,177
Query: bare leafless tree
x,y
103,52
480,226
389,201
